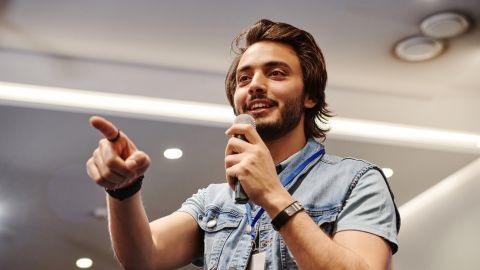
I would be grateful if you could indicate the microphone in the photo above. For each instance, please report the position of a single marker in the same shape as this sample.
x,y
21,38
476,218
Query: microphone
x,y
240,195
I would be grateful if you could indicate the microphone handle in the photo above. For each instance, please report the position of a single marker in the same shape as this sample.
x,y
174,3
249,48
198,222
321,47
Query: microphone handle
x,y
240,195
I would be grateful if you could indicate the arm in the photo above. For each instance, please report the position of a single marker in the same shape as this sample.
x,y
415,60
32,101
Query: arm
x,y
310,246
166,243
313,249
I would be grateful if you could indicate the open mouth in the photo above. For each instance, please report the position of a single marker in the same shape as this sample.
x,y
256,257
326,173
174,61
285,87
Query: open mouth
x,y
257,106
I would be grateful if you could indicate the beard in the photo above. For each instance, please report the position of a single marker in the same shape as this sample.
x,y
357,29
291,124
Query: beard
x,y
290,117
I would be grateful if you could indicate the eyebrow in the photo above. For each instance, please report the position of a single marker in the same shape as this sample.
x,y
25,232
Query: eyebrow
x,y
269,64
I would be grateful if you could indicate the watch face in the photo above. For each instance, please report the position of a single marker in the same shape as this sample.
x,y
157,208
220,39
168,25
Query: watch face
x,y
292,209
285,215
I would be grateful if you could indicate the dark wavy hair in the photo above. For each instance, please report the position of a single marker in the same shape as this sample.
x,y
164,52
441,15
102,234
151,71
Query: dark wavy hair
x,y
312,63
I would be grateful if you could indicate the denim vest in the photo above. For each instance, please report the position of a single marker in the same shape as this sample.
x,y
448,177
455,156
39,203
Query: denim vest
x,y
322,187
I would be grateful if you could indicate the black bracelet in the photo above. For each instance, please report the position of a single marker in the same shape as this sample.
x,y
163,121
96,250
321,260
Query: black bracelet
x,y
286,214
126,192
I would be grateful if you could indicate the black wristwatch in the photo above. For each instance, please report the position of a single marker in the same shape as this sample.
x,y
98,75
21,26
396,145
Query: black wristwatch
x,y
126,192
286,214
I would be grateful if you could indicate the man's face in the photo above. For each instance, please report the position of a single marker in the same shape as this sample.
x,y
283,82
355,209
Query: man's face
x,y
270,88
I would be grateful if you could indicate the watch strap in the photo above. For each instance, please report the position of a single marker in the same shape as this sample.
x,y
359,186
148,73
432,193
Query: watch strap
x,y
286,214
126,192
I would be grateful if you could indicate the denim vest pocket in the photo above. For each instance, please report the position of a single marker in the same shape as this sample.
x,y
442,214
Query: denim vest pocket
x,y
324,218
218,225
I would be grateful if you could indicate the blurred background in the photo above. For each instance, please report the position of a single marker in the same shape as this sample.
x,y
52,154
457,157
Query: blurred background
x,y
403,83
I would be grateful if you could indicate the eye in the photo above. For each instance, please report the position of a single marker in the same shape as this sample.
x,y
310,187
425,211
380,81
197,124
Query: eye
x,y
277,73
241,79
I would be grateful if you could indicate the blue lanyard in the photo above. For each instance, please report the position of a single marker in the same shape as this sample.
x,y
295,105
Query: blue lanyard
x,y
285,182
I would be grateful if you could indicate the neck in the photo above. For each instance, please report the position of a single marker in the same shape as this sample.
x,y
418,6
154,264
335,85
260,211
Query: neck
x,y
289,144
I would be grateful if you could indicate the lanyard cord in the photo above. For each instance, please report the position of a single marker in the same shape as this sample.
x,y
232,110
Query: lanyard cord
x,y
285,183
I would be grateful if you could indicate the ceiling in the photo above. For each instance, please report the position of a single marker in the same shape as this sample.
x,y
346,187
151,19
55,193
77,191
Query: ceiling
x,y
179,50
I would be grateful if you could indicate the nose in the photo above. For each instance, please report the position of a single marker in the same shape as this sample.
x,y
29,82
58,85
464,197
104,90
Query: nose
x,y
257,84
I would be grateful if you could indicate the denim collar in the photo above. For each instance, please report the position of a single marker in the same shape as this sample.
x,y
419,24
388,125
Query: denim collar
x,y
287,166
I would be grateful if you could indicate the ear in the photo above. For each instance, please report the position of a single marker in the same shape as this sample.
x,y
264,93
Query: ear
x,y
309,103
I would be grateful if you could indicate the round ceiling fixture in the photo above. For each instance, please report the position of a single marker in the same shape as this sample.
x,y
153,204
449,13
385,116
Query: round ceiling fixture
x,y
84,263
173,153
100,213
418,48
444,25
388,172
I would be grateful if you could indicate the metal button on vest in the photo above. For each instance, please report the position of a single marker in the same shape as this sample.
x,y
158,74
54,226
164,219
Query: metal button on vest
x,y
211,223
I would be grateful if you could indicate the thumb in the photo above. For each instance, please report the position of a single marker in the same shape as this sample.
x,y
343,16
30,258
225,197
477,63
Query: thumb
x,y
107,128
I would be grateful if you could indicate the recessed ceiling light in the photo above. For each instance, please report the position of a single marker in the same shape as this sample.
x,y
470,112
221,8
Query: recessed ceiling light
x,y
84,263
444,25
173,153
100,212
222,116
197,113
388,172
418,48
388,133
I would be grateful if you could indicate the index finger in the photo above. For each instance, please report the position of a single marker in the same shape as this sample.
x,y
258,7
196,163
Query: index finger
x,y
247,130
107,128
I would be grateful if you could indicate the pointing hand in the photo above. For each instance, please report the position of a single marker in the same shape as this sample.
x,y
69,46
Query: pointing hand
x,y
116,162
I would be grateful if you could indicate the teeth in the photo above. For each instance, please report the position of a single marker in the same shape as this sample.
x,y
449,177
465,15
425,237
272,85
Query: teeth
x,y
258,105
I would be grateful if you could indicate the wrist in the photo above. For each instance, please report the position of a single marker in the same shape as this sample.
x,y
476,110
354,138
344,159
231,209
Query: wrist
x,y
126,192
277,202
286,214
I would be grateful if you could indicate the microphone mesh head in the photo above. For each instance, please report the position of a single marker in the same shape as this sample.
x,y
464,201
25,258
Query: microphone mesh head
x,y
244,119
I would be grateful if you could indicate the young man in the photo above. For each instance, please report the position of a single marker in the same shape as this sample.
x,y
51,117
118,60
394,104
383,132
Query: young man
x,y
307,209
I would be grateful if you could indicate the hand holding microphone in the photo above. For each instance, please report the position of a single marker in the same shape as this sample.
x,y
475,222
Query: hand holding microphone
x,y
249,164
240,195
